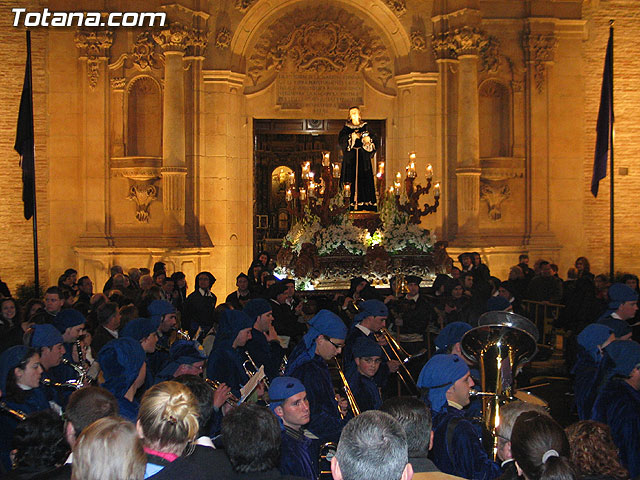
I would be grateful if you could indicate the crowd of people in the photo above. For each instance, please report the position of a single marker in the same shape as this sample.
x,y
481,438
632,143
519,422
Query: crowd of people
x,y
151,380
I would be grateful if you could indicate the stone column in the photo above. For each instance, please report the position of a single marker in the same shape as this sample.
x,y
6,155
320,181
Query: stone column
x,y
467,42
173,42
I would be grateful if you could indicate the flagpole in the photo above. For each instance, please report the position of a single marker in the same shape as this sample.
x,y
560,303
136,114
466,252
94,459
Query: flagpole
x,y
611,136
36,268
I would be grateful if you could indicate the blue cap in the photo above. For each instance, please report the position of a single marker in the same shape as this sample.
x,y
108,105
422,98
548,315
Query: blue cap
x,y
497,304
620,293
140,328
158,308
366,347
68,318
256,307
9,360
282,388
45,335
371,308
182,352
438,375
325,322
592,336
451,334
625,354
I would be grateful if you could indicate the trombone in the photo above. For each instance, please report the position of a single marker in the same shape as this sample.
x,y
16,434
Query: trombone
x,y
353,405
402,356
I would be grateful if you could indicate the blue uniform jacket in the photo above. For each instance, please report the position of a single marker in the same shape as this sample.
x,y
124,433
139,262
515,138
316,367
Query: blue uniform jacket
x,y
225,366
265,353
467,458
365,391
618,405
298,455
349,362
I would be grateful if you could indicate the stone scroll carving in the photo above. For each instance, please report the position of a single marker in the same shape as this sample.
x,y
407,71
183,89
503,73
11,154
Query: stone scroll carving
x,y
142,194
540,50
320,40
461,41
93,45
494,194
143,54
418,40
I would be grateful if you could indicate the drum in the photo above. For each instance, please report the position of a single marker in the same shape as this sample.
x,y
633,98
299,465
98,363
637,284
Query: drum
x,y
529,397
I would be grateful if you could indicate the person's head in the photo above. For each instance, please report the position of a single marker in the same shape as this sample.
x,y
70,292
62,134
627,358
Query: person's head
x,y
456,290
506,290
264,258
85,406
523,258
38,442
203,394
242,282
160,267
85,285
49,344
168,417
467,280
123,366
367,355
143,330
261,312
545,269
508,415
164,312
357,285
515,273
205,280
158,278
448,340
134,275
354,115
252,438
185,357
624,300
32,307
630,280
601,282
327,332
19,367
372,315
109,315
118,282
179,280
109,449
455,273
626,358
415,418
582,265
465,260
291,287
116,269
146,282
8,309
373,446
476,258
540,448
53,300
499,303
70,323
168,285
288,400
445,378
593,452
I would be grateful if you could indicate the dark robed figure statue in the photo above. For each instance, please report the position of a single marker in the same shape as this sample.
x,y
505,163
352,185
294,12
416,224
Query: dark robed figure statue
x,y
358,145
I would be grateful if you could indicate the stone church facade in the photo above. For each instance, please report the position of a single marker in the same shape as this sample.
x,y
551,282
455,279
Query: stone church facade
x,y
145,136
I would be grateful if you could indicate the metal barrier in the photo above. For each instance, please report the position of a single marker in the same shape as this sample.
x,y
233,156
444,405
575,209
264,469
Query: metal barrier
x,y
543,314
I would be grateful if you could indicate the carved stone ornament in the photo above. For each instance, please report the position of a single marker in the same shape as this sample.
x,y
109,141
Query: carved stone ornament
x,y
93,45
143,53
143,194
173,38
399,7
320,40
197,43
118,83
461,41
490,55
494,194
418,41
244,5
443,47
540,50
223,38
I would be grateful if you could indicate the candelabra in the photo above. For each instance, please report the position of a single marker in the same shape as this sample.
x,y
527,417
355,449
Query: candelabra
x,y
317,196
414,192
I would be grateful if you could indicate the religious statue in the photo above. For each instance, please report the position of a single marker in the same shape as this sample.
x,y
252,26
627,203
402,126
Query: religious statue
x,y
359,146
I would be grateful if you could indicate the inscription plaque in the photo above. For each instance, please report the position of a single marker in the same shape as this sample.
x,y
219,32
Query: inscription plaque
x,y
319,93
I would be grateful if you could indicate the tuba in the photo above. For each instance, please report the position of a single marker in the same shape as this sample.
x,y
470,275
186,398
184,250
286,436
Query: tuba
x,y
500,345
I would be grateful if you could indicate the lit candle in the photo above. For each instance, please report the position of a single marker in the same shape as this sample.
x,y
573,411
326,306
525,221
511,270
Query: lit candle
x,y
311,176
429,172
411,170
305,170
346,192
292,179
326,159
303,194
289,195
398,177
312,189
336,170
412,155
436,190
381,169
391,190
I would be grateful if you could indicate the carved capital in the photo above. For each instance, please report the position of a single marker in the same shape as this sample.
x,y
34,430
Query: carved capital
x,y
143,53
418,41
93,45
197,43
142,193
173,39
399,7
539,51
443,47
223,38
468,40
494,194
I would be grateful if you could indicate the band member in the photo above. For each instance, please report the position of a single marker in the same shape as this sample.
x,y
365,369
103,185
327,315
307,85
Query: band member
x,y
457,446
164,313
145,331
264,345
308,363
414,309
200,304
70,323
46,339
226,361
368,357
288,400
186,357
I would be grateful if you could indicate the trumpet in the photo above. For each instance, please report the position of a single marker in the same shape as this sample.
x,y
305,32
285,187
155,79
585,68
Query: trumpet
x,y
248,365
19,414
73,384
283,365
401,355
351,399
231,399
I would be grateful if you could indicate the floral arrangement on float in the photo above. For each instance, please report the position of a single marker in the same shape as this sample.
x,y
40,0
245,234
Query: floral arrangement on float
x,y
325,244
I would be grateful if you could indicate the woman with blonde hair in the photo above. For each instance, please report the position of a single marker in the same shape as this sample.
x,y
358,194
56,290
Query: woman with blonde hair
x,y
109,449
168,425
